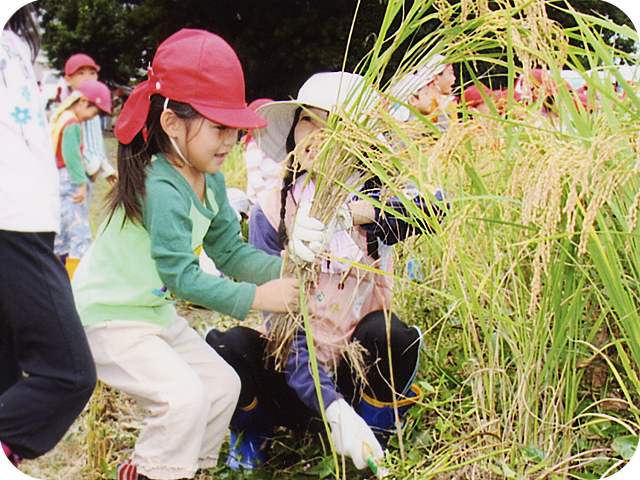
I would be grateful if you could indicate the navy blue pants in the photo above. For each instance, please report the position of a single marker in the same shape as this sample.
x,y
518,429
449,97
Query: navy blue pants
x,y
47,373
245,350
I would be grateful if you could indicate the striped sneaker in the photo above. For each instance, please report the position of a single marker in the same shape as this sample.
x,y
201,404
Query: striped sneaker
x,y
13,458
127,471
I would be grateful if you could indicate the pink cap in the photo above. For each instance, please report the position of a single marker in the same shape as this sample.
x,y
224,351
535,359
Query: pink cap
x,y
98,93
257,103
194,67
473,97
582,100
77,61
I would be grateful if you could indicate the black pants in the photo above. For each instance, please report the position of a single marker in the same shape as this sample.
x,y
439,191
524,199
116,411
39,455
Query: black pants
x,y
47,373
244,349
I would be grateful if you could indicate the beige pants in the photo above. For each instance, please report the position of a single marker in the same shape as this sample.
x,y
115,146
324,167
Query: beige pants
x,y
189,390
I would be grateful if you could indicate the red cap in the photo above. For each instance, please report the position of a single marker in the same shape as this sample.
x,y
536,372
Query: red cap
x,y
257,103
195,67
542,78
98,93
503,96
582,100
502,99
77,61
473,97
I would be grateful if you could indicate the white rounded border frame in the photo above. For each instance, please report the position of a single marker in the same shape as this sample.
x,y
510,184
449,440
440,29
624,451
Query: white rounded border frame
x,y
631,471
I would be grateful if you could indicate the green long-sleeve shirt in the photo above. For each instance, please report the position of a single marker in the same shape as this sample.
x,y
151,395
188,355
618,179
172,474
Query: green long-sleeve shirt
x,y
131,268
72,153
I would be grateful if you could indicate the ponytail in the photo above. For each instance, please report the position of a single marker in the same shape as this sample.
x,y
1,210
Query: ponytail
x,y
134,158
288,180
287,183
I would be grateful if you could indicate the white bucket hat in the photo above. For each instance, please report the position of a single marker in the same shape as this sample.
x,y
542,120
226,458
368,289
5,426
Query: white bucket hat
x,y
326,90
412,82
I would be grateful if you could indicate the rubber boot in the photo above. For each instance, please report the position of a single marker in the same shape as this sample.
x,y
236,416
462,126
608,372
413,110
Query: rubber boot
x,y
71,264
249,433
380,416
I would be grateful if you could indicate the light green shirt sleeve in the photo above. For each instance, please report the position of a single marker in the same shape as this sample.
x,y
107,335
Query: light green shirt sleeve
x,y
72,154
233,256
167,218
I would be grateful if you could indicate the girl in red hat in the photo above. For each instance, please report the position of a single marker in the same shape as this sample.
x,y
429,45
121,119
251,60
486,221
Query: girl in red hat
x,y
85,103
174,133
79,68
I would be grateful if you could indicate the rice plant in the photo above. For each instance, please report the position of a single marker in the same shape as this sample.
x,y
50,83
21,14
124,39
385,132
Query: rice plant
x,y
530,285
528,290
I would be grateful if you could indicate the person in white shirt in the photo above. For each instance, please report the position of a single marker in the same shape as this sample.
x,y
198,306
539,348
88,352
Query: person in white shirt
x,y
47,373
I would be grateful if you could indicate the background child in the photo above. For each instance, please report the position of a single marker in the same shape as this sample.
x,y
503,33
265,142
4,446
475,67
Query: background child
x,y
75,231
77,69
262,172
174,133
47,374
348,304
428,91
475,101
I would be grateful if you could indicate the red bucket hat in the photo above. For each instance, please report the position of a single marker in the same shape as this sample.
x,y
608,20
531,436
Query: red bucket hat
x,y
98,93
77,61
195,67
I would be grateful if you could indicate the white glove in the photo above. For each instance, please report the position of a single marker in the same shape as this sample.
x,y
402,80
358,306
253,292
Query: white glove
x,y
351,435
307,235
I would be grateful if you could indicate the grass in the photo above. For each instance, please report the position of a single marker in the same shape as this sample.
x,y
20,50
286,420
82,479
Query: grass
x,y
527,292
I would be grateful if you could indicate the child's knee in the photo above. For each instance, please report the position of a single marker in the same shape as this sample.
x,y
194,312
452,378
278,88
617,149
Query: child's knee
x,y
230,385
189,398
80,386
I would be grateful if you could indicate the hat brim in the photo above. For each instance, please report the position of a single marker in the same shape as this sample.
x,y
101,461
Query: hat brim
x,y
244,118
106,109
78,67
272,139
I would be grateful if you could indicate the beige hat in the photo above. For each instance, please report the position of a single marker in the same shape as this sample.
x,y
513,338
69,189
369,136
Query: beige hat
x,y
412,82
326,90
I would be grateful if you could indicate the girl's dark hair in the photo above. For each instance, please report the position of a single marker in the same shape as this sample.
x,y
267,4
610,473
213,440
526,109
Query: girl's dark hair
x,y
133,159
23,23
288,180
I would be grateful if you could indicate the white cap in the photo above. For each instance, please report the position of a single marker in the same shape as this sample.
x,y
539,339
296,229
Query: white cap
x,y
327,90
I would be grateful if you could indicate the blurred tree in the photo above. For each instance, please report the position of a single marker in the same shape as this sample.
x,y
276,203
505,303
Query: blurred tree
x,y
597,8
94,27
279,42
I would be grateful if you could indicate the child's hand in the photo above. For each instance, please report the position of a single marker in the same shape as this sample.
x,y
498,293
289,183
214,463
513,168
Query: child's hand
x,y
307,235
80,195
277,295
112,179
351,435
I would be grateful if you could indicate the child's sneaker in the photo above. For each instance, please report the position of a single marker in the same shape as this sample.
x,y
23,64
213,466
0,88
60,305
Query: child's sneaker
x,y
13,458
127,471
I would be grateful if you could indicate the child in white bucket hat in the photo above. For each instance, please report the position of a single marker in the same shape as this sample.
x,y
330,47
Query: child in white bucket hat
x,y
348,304
428,91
